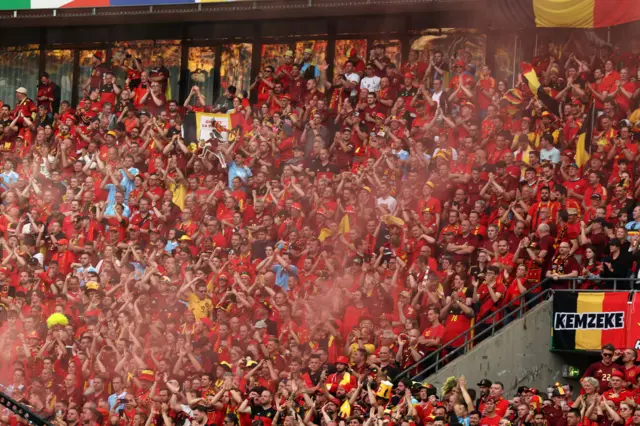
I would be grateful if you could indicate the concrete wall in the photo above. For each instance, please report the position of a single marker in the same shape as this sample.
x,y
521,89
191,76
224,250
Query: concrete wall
x,y
517,356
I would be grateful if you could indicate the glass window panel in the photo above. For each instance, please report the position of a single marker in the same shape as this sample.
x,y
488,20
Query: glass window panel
x,y
319,48
319,53
273,54
393,51
343,48
504,59
124,52
454,43
201,68
235,66
59,65
86,67
18,68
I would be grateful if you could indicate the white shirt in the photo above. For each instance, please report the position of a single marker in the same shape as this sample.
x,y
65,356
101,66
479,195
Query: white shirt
x,y
353,78
372,84
435,96
389,202
552,155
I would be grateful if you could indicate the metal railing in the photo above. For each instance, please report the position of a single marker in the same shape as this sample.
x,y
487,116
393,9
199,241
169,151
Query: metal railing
x,y
436,360
23,411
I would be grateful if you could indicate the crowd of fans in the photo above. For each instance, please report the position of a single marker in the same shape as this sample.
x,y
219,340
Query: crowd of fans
x,y
288,270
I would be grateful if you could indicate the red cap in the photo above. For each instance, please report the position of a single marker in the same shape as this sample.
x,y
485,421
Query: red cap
x,y
409,75
380,115
147,376
206,321
617,373
342,360
135,228
63,241
98,55
597,155
353,51
33,335
460,63
322,212
568,153
296,206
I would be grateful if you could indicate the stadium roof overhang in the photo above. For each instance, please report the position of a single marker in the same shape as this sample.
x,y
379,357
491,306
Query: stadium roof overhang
x,y
470,12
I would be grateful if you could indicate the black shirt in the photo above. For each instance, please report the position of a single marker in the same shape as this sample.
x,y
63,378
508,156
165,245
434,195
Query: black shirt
x,y
317,167
258,411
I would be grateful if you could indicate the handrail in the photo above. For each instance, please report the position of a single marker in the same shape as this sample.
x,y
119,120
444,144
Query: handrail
x,y
21,410
437,364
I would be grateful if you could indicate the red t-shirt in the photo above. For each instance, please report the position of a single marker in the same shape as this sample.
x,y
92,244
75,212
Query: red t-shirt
x,y
435,332
490,421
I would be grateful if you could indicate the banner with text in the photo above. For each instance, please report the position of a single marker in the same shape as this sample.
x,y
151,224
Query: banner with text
x,y
586,321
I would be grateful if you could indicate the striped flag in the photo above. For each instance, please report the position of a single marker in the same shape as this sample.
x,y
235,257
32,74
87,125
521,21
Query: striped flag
x,y
563,13
552,105
584,138
588,320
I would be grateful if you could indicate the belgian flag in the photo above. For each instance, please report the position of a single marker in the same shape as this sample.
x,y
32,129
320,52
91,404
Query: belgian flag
x,y
561,13
588,320
552,105
584,138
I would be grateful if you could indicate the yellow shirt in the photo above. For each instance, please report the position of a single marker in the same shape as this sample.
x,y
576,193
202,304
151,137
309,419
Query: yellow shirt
x,y
179,193
354,347
201,308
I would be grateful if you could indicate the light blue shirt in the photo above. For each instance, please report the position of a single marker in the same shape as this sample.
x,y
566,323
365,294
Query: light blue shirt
x,y
243,173
307,65
9,178
127,183
170,246
463,420
282,275
113,400
632,226
402,154
111,202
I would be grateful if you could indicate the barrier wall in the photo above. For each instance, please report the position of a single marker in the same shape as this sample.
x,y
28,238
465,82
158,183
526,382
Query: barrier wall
x,y
517,356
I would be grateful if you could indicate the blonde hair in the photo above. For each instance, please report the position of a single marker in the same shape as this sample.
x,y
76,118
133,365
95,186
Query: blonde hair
x,y
592,381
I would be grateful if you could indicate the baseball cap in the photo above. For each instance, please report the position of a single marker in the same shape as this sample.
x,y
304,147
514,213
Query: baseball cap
x,y
485,383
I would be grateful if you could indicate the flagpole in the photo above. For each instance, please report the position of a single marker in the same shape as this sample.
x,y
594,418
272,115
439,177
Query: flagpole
x,y
593,113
